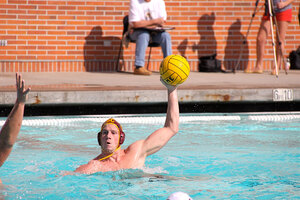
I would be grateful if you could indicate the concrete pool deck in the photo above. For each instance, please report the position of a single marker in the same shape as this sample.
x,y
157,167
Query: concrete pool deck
x,y
125,88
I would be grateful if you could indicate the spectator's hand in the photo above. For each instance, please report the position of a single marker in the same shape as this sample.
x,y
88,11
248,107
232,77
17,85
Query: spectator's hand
x,y
21,92
160,21
170,88
152,26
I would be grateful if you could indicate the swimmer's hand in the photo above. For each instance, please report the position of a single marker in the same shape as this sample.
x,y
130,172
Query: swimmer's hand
x,y
21,91
170,88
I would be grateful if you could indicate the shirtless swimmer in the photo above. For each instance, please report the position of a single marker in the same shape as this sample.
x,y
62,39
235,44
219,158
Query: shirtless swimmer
x,y
111,136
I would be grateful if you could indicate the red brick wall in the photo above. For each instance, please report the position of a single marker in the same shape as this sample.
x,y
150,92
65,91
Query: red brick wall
x,y
85,35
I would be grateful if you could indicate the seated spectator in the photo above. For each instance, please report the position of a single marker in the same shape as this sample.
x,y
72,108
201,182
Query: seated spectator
x,y
144,17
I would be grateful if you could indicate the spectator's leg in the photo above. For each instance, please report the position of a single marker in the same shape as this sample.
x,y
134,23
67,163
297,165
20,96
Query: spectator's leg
x,y
261,39
164,39
142,40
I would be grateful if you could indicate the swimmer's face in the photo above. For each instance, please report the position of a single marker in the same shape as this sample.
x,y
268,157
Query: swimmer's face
x,y
110,137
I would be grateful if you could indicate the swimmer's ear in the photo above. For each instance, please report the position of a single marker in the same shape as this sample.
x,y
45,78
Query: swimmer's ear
x,y
99,138
122,138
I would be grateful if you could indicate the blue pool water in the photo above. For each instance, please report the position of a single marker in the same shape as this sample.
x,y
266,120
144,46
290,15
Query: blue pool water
x,y
239,156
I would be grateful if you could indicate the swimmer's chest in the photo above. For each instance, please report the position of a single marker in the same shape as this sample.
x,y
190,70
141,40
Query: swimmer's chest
x,y
127,161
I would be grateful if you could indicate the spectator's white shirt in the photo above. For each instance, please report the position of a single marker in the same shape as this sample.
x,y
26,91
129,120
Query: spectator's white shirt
x,y
142,10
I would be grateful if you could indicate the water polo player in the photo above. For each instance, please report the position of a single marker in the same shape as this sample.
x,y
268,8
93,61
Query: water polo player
x,y
111,137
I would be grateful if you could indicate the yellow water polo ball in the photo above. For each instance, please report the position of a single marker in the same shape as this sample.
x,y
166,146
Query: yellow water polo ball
x,y
174,69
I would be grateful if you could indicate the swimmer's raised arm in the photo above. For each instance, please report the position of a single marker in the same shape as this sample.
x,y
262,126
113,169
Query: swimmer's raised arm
x,y
160,137
12,125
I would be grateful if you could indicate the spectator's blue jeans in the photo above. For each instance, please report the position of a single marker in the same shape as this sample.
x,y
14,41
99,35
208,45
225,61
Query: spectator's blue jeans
x,y
142,38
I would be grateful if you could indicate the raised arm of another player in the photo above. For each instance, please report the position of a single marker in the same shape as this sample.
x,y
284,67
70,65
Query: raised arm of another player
x,y
160,137
12,125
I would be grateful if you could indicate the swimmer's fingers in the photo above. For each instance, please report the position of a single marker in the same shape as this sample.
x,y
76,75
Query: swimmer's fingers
x,y
18,80
169,87
21,92
27,91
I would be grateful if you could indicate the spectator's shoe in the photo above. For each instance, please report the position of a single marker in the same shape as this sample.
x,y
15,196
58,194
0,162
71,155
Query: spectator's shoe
x,y
141,71
258,71
273,72
248,71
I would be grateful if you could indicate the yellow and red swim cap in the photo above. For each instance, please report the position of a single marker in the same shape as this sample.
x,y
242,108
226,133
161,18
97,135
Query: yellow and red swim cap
x,y
118,125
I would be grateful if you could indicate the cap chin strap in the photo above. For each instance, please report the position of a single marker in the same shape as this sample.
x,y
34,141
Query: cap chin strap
x,y
110,154
117,147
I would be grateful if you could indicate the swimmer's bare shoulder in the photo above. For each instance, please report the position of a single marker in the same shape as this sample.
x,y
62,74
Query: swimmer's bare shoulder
x,y
91,167
134,155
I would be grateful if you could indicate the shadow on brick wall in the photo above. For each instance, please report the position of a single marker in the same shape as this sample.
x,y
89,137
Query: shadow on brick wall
x,y
237,49
182,47
207,45
101,52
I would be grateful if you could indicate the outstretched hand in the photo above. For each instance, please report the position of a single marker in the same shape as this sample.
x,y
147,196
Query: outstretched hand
x,y
21,92
170,88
